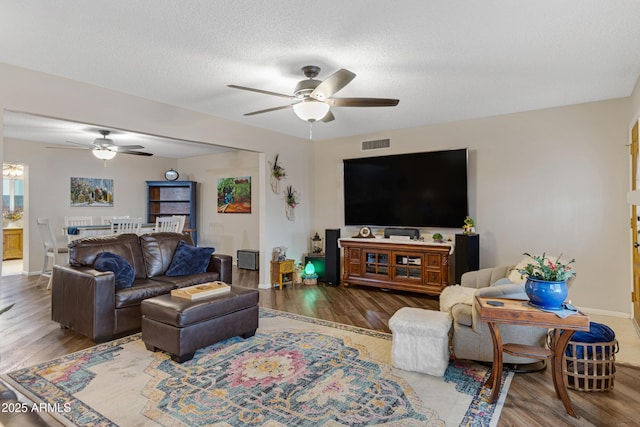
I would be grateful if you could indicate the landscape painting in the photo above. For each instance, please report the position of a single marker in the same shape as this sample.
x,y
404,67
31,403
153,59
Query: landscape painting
x,y
234,195
95,192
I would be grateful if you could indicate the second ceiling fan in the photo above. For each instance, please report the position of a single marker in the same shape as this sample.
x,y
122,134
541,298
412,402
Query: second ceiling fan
x,y
312,99
105,149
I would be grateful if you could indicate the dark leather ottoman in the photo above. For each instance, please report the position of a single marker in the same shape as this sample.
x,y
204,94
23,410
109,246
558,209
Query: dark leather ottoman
x,y
181,326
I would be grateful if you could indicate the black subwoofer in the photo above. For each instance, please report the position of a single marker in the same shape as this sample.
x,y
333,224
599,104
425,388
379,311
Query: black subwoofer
x,y
332,257
467,254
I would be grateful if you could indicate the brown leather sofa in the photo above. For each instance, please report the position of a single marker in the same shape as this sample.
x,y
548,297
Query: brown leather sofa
x,y
87,301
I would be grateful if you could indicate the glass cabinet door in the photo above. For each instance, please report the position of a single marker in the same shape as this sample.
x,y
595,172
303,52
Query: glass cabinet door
x,y
408,266
376,262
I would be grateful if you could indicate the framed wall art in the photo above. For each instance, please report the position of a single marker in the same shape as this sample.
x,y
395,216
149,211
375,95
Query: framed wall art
x,y
234,195
94,192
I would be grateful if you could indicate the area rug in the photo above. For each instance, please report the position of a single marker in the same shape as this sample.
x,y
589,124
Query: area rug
x,y
296,371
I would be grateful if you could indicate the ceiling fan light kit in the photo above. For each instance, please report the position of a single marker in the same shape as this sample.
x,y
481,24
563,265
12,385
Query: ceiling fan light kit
x,y
312,99
310,110
103,153
105,149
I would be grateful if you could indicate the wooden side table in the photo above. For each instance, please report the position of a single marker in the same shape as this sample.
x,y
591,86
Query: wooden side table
x,y
516,312
282,272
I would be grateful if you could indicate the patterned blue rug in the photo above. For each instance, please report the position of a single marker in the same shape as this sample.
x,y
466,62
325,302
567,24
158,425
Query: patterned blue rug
x,y
295,371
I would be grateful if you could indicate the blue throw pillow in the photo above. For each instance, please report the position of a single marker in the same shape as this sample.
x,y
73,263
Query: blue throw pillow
x,y
107,261
189,260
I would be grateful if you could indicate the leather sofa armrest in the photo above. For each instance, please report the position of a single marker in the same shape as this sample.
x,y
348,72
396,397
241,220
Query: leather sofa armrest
x,y
83,299
223,264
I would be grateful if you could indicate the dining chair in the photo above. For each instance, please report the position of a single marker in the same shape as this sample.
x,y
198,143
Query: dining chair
x,y
51,249
106,219
74,221
182,219
168,224
126,225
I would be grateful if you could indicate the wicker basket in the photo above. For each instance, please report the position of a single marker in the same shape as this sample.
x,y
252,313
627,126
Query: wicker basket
x,y
595,370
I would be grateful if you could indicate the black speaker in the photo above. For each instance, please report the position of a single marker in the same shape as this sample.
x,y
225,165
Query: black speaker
x,y
467,254
332,257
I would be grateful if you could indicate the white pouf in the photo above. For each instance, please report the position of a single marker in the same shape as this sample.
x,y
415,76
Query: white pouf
x,y
420,340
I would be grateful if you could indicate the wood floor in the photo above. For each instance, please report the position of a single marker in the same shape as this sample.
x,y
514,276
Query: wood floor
x,y
28,337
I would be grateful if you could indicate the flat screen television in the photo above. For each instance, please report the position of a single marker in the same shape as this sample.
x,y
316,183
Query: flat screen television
x,y
426,189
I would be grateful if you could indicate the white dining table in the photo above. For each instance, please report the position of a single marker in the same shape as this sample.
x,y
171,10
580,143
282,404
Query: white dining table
x,y
101,230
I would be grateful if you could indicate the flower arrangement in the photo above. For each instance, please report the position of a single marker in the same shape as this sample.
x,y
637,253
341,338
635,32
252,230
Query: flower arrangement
x,y
277,171
545,269
12,215
291,199
291,196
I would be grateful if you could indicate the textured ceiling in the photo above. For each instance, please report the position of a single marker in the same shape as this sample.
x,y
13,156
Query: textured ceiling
x,y
444,60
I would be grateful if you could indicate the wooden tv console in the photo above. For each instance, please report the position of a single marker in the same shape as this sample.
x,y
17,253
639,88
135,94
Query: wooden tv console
x,y
396,264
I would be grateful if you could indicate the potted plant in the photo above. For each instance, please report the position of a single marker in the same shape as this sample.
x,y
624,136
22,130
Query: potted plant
x,y
437,237
468,226
546,284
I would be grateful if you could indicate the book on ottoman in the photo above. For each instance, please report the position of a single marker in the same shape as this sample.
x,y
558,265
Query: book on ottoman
x,y
201,291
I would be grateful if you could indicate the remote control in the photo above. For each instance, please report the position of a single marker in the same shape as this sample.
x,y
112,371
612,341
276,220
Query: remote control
x,y
495,303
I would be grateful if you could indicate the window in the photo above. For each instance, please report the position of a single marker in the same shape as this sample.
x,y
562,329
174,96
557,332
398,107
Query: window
x,y
12,188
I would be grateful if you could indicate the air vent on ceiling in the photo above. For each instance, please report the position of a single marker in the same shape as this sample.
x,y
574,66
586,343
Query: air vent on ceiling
x,y
376,144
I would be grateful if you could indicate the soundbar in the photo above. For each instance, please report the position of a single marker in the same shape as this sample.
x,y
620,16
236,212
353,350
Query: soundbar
x,y
412,233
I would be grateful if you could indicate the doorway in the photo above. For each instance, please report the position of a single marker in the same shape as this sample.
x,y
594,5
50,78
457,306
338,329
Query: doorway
x,y
13,218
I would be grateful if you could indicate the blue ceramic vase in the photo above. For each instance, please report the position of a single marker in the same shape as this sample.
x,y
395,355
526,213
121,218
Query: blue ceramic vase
x,y
546,294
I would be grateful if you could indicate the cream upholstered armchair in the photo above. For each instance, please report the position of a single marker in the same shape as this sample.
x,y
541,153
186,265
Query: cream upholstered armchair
x,y
471,336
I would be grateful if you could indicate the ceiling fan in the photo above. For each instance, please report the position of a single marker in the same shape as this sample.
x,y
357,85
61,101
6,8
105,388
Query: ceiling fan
x,y
312,99
105,149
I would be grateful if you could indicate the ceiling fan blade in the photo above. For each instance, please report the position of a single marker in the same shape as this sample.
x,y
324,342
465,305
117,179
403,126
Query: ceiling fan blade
x,y
363,102
332,84
266,92
269,110
328,117
70,148
136,153
76,143
119,148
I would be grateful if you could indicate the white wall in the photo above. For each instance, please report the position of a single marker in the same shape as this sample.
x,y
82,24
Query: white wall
x,y
635,103
38,93
552,181
48,179
227,232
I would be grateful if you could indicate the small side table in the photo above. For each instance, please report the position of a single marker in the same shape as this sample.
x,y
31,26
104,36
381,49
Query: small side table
x,y
516,312
282,272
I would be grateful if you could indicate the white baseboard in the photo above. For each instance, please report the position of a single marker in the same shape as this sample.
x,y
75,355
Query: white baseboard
x,y
588,310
